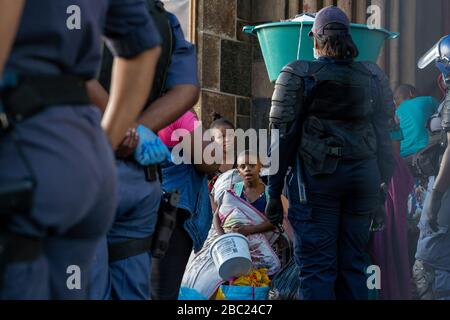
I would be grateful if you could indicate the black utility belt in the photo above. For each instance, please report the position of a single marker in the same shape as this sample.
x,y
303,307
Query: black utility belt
x,y
152,172
130,248
18,248
33,94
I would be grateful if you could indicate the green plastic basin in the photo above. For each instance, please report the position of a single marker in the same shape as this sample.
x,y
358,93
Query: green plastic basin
x,y
280,41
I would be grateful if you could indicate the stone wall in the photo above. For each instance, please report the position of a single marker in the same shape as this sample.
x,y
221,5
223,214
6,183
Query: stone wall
x,y
232,72
225,60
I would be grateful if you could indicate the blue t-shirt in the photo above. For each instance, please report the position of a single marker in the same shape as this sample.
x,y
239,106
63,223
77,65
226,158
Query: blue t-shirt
x,y
414,115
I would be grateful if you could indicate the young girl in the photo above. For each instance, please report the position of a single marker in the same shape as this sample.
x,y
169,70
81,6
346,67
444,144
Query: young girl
x,y
252,190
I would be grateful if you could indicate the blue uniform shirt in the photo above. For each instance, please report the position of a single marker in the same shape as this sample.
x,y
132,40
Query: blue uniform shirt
x,y
46,44
183,67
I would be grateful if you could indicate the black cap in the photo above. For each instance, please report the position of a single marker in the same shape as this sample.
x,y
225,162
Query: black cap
x,y
327,16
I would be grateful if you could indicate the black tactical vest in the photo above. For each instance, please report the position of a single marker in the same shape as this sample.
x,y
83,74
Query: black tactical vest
x,y
162,22
338,122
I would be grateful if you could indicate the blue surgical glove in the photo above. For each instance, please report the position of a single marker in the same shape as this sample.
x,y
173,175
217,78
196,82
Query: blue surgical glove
x,y
150,149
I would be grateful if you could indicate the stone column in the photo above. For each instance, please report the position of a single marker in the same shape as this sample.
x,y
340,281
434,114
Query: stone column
x,y
361,11
346,6
327,3
310,6
394,46
382,4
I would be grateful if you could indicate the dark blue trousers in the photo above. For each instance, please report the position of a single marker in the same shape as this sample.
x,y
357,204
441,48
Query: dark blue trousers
x,y
136,217
74,201
332,230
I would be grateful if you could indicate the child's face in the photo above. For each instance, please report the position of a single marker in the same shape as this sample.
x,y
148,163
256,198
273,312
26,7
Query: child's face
x,y
249,168
224,136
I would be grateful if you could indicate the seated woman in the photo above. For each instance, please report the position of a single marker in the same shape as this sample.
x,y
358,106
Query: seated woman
x,y
241,211
252,190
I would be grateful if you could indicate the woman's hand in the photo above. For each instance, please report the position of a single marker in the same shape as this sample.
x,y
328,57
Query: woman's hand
x,y
128,145
244,230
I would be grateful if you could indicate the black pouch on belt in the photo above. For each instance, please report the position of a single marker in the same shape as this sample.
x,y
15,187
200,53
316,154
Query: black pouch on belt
x,y
33,94
16,197
167,218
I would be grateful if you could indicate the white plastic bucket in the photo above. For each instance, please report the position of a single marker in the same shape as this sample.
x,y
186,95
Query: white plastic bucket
x,y
231,255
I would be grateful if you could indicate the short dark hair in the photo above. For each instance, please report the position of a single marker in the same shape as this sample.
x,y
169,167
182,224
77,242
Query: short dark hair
x,y
339,45
219,121
405,92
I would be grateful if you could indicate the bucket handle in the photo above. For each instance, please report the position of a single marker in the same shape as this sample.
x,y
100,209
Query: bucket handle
x,y
249,29
300,42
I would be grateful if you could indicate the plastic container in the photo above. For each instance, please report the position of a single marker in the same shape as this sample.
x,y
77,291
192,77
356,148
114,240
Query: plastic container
x,y
189,294
280,43
231,255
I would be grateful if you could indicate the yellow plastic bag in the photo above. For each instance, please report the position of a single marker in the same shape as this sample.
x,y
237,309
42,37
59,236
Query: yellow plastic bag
x,y
256,278
219,295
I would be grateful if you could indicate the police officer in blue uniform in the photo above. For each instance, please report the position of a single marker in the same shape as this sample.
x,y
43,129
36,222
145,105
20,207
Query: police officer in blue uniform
x,y
58,180
431,271
336,113
129,241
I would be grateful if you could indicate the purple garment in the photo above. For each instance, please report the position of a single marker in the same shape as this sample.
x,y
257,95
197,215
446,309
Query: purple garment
x,y
390,248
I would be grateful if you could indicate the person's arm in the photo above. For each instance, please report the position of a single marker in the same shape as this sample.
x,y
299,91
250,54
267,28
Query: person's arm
x,y
397,137
217,224
165,110
442,183
161,112
182,83
97,94
214,206
247,230
133,39
263,227
285,115
384,122
131,80
441,186
10,13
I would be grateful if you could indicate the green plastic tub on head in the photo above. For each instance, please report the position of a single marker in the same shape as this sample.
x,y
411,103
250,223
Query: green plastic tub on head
x,y
280,43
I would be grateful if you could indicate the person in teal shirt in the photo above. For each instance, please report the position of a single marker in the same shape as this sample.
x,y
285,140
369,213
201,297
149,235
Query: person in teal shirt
x,y
413,113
